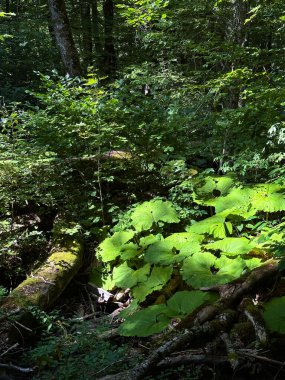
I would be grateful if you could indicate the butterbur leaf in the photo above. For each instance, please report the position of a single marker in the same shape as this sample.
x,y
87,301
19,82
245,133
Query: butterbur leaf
x,y
229,269
274,315
196,270
164,252
178,240
237,202
253,263
185,302
126,277
160,252
129,310
231,246
151,320
188,250
148,240
102,278
268,198
205,270
148,213
156,318
214,225
112,247
209,188
129,251
156,281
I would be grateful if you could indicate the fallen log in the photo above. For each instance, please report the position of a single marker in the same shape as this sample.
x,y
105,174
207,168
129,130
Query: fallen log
x,y
41,289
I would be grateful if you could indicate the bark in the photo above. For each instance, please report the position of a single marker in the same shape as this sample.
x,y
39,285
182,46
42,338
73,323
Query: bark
x,y
7,6
254,315
110,60
86,33
237,36
96,33
64,38
237,31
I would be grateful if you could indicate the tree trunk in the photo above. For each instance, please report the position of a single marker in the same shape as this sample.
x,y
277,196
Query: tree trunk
x,y
7,3
110,60
239,14
237,36
64,37
96,33
86,32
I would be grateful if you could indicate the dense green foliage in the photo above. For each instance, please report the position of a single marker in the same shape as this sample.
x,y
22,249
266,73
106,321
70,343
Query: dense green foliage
x,y
214,251
165,155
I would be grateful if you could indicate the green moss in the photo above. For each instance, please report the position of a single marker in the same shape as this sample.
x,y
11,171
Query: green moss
x,y
47,283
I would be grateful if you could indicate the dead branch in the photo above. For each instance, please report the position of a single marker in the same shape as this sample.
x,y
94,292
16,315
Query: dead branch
x,y
253,314
191,359
209,329
247,353
202,325
232,355
16,368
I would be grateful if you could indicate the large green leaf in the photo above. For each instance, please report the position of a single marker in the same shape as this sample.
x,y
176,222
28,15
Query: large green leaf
x,y
209,188
231,246
148,213
156,318
129,251
268,198
178,240
126,277
237,202
247,201
112,247
274,314
156,281
253,263
185,302
146,322
229,269
215,225
164,252
161,252
196,270
145,241
205,270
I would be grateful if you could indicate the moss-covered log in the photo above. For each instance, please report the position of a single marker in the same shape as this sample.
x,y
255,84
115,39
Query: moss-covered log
x,y
40,289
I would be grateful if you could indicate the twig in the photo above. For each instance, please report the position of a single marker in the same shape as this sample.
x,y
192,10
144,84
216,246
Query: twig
x,y
91,303
261,358
9,349
108,366
109,334
16,368
279,371
190,359
85,317
23,326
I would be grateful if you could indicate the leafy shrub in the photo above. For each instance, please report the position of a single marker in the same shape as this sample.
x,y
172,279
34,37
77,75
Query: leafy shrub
x,y
212,251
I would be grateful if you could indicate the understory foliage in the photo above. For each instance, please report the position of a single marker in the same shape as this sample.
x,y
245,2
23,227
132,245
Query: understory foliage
x,y
238,236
